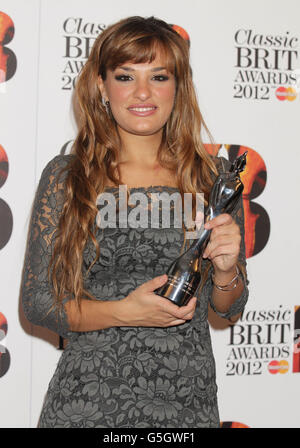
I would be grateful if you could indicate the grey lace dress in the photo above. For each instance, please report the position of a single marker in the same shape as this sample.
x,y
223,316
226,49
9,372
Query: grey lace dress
x,y
130,377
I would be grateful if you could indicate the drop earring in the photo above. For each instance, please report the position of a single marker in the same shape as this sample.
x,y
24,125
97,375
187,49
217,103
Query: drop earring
x,y
106,105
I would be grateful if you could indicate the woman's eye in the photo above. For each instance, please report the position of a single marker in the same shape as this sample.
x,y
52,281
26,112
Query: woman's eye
x,y
123,78
130,78
161,78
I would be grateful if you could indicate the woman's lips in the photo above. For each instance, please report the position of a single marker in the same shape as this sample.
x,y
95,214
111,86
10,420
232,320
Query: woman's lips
x,y
142,110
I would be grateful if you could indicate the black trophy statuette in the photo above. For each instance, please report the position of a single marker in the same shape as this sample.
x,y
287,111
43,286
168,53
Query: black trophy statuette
x,y
184,273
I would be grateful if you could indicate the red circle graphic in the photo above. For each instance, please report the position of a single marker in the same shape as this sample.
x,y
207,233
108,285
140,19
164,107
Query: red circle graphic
x,y
3,166
3,326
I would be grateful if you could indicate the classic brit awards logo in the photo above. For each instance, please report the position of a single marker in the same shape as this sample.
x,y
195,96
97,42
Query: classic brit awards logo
x,y
79,36
265,341
265,65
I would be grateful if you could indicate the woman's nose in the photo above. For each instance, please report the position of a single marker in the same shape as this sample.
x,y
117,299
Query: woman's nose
x,y
142,90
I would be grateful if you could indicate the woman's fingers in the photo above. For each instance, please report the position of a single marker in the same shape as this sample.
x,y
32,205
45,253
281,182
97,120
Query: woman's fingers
x,y
186,312
223,245
179,313
225,237
220,220
145,308
154,283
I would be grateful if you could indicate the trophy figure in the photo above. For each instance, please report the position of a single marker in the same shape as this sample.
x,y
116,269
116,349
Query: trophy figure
x,y
184,274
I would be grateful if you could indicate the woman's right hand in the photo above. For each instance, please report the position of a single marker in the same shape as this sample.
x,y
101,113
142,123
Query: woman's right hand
x,y
143,308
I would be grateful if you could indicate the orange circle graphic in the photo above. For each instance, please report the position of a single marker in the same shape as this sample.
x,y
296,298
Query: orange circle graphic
x,y
291,94
283,366
181,31
226,424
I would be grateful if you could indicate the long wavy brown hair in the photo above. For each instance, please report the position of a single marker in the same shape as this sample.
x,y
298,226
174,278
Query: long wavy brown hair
x,y
97,146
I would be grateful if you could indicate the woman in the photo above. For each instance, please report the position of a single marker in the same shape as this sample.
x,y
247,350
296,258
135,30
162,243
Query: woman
x,y
133,359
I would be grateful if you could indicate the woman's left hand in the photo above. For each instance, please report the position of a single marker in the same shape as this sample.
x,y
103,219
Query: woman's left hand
x,y
224,245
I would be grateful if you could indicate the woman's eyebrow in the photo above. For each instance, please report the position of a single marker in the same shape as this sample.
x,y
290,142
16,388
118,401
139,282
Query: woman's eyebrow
x,y
130,69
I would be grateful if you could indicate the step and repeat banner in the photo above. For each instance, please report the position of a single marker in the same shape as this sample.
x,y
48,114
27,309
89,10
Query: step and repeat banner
x,y
246,69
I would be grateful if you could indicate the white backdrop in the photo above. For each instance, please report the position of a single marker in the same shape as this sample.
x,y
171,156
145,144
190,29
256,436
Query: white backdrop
x,y
50,42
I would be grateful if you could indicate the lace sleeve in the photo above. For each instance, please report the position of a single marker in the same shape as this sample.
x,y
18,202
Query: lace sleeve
x,y
238,215
36,291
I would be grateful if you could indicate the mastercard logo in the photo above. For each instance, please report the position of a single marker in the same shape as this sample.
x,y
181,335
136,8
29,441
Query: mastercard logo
x,y
286,93
278,367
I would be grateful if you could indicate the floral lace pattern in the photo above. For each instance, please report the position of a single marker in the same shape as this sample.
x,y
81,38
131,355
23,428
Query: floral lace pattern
x,y
121,376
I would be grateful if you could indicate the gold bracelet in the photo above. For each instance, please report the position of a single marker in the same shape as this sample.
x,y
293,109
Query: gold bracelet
x,y
225,287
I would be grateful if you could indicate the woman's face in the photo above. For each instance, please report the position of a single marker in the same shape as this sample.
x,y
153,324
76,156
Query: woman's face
x,y
141,96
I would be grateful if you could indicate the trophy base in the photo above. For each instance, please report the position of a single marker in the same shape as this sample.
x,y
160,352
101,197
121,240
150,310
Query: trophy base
x,y
180,298
178,290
